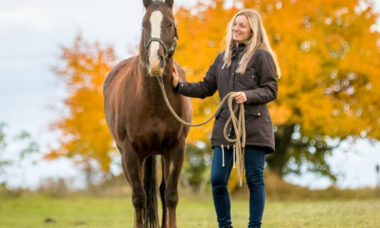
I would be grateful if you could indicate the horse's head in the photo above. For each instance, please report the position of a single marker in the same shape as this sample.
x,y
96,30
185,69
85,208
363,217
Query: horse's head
x,y
159,35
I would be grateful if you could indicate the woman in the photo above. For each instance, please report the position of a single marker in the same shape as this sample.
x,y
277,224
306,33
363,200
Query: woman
x,y
248,67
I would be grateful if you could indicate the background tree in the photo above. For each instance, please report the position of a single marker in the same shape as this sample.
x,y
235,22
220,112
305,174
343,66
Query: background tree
x,y
28,148
329,55
3,162
84,134
330,59
194,168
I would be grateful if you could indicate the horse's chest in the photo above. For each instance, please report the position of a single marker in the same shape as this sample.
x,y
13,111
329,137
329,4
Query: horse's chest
x,y
154,135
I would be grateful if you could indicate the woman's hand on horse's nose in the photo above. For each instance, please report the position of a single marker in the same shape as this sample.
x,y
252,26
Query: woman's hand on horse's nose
x,y
240,97
175,77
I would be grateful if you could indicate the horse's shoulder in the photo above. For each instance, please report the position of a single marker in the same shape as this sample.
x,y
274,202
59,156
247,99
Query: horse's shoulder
x,y
116,70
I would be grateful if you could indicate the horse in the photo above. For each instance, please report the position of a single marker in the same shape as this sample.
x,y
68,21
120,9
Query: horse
x,y
140,122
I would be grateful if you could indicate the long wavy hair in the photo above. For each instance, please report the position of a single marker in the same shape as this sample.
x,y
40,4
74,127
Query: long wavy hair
x,y
258,40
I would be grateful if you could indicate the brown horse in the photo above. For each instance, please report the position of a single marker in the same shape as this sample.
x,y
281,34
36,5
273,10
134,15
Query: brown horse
x,y
141,123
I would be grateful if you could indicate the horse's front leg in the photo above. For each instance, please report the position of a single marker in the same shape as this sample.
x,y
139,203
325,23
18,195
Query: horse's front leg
x,y
172,171
133,170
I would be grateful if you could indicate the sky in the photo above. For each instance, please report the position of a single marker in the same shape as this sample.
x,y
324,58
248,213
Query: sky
x,y
31,34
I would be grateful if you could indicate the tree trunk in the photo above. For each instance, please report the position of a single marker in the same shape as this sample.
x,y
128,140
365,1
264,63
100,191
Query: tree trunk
x,y
89,173
279,159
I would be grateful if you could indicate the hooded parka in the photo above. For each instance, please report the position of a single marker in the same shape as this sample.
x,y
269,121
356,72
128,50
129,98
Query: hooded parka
x,y
259,83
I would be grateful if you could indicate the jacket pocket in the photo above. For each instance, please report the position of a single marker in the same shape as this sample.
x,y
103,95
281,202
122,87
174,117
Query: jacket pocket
x,y
252,111
246,81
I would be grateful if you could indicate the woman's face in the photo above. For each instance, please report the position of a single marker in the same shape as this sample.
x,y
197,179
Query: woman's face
x,y
241,31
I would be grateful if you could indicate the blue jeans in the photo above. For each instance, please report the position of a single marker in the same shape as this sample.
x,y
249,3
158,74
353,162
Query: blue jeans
x,y
254,165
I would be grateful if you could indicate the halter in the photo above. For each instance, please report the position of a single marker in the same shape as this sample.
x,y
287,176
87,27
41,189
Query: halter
x,y
168,52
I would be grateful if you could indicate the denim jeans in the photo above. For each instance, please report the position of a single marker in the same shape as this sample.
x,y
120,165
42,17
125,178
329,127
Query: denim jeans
x,y
254,158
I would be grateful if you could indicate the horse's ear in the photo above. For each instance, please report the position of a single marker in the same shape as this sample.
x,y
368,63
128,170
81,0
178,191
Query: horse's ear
x,y
147,3
169,2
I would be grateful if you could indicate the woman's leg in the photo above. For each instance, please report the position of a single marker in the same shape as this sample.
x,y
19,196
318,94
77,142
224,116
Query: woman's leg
x,y
219,179
254,165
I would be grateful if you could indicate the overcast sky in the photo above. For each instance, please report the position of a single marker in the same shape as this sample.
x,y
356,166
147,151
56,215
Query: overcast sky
x,y
31,33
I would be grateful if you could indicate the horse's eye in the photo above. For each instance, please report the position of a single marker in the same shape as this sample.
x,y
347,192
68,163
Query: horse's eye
x,y
170,25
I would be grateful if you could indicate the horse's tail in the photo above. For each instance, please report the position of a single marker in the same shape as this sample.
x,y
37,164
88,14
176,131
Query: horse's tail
x,y
151,214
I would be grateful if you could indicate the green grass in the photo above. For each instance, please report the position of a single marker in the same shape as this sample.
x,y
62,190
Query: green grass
x,y
118,212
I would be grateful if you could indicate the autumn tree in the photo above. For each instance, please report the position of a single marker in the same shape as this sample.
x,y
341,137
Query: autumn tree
x,y
330,59
329,55
84,133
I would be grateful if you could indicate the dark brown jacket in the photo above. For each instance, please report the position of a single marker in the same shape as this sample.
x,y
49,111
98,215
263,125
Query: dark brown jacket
x,y
259,84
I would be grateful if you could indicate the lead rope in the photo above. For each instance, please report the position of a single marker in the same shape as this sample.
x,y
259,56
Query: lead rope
x,y
237,122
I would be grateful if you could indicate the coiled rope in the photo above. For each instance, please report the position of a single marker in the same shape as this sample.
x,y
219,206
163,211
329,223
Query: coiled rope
x,y
237,122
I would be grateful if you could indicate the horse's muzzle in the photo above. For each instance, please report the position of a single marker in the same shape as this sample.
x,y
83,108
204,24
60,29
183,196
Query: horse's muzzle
x,y
156,66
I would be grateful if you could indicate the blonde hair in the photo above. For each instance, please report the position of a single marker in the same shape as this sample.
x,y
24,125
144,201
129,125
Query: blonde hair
x,y
258,40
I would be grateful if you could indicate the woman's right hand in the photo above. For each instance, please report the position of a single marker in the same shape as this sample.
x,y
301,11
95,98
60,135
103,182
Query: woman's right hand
x,y
175,76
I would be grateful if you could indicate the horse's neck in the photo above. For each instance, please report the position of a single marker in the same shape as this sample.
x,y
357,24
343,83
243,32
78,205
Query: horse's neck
x,y
151,88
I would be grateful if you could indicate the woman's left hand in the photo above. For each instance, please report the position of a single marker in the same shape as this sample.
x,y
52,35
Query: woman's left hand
x,y
240,97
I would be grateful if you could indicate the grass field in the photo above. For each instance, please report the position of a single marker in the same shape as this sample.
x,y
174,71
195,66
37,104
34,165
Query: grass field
x,y
32,211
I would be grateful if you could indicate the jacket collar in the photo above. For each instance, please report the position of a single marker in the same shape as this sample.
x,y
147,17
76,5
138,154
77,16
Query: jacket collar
x,y
238,49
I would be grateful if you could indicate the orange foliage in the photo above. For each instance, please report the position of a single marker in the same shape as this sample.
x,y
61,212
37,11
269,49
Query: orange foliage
x,y
328,53
84,129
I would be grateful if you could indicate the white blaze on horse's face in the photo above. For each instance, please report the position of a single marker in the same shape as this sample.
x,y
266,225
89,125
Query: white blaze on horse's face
x,y
155,67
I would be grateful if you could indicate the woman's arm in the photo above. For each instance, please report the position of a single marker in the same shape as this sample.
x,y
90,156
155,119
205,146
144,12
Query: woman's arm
x,y
201,89
266,70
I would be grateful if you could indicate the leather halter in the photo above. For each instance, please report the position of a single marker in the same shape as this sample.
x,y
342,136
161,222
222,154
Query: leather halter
x,y
168,52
